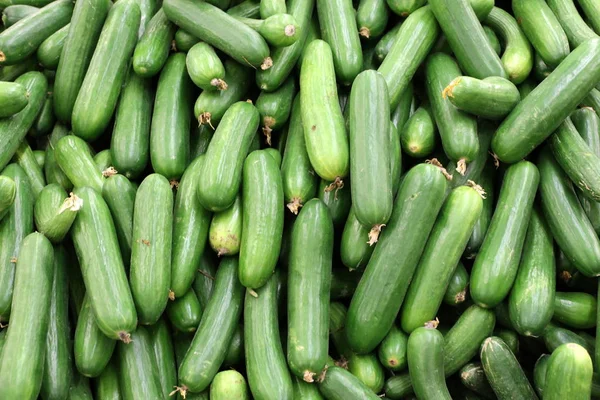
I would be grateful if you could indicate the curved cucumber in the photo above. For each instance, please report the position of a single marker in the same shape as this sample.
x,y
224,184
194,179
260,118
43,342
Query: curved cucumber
x,y
13,98
274,107
184,312
75,159
205,67
50,50
54,212
8,192
486,181
152,50
225,231
119,194
392,350
371,18
572,363
577,31
418,133
160,336
355,251
574,309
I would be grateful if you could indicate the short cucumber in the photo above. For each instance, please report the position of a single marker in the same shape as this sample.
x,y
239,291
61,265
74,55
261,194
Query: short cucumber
x,y
371,18
418,135
54,212
119,194
52,171
184,312
274,107
279,30
229,385
309,282
355,251
26,160
225,231
8,192
160,336
13,97
22,364
392,350
569,373
106,71
473,377
152,50
495,267
205,67
74,158
14,13
271,7
50,50
107,383
336,383
457,290
337,200
577,31
486,181
246,8
575,309
425,354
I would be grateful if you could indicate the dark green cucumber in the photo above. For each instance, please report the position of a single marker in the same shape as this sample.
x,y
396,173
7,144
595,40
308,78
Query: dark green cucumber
x,y
575,310
554,336
205,67
22,364
457,290
75,159
92,349
370,316
225,231
86,24
48,54
234,355
569,373
441,69
13,97
45,120
190,231
493,39
355,251
395,157
275,107
221,173
220,30
76,286
577,31
337,200
95,241
467,39
568,223
398,386
392,350
107,383
371,18
382,48
473,377
164,354
139,375
343,283
491,98
539,373
9,73
440,257
418,135
486,181
229,385
152,50
305,391
425,354
279,30
14,227
119,194
52,171
271,7
26,160
510,337
24,37
54,212
14,13
336,383
309,281
495,267
411,44
246,9
14,129
8,192
531,301
199,140
406,107
184,312
106,72
184,41
324,129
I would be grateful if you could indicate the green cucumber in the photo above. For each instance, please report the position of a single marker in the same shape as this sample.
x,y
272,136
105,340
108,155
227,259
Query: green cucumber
x,y
395,157
370,316
14,227
74,158
418,135
15,128
531,301
148,9
160,336
246,9
262,345
457,290
398,386
95,241
568,223
493,38
274,107
337,200
225,231
80,389
482,8
271,7
473,377
425,355
383,46
199,140
392,350
577,31
106,72
9,73
279,30
235,351
491,98
309,282
13,97
119,194
324,130
220,30
52,171
184,41
355,251
554,336
152,50
467,38
336,383
440,257
139,375
229,385
305,391
204,278
49,52
205,67
45,120
54,212
495,267
569,373
14,13
410,47
8,192
575,310
221,173
405,7
441,69
26,160
343,283
92,349
76,286
510,337
40,158
107,383
184,312
371,18
170,129
23,353
486,181
207,351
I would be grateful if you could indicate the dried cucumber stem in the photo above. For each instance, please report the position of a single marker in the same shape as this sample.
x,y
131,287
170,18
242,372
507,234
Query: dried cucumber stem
x,y
125,337
174,184
171,295
321,376
2,57
566,276
110,171
309,376
461,166
222,252
477,188
289,30
182,390
496,160
435,162
219,84
336,185
432,324
71,203
342,363
294,206
374,234
267,63
447,92
460,296
269,123
204,119
364,32
252,293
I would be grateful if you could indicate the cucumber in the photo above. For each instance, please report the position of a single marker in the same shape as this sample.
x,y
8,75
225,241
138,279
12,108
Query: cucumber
x,y
370,316
279,30
441,69
440,257
80,389
568,223
152,50
395,157
50,50
467,39
491,98
205,67
457,290
24,37
14,227
92,349
235,351
493,39
591,10
52,171
190,231
575,310
337,200
45,120
221,173
207,351
271,7
119,194
8,192
486,181
336,383
226,230
14,13
275,107
554,336
40,158
473,377
54,212
76,286
531,301
542,29
305,391
398,387
160,337
74,158
410,47
405,7
200,140
169,132
406,107
183,41
425,354
392,350
229,385
355,251
343,283
510,337
309,282
22,364
418,135
539,373
95,241
139,375
26,160
13,97
383,46
495,267
204,278
371,18
185,312
107,384
9,73
246,9
482,8
577,31
220,30
571,365
86,25
15,128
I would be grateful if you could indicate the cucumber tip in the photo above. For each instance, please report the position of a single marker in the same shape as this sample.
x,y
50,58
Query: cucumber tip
x,y
2,56
182,390
364,32
266,64
289,30
374,234
125,337
308,376
294,206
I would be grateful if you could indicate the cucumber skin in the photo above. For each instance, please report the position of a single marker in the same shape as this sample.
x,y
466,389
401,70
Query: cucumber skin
x,y
162,344
245,9
13,97
557,95
274,107
22,364
392,350
497,262
309,282
119,194
491,98
204,65
13,13
456,293
52,171
184,41
262,226
204,279
107,384
355,251
572,363
418,133
372,18
575,27
25,158
306,391
426,363
184,312
337,384
486,181
229,385
106,71
75,160
152,50
576,310
225,230
531,301
50,217
49,51
371,316
95,241
8,192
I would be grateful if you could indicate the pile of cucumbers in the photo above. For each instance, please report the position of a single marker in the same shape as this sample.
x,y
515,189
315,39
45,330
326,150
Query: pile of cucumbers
x,y
301,199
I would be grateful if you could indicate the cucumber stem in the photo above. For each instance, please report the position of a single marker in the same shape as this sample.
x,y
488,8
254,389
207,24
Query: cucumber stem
x,y
364,32
110,171
266,64
437,163
295,205
181,389
220,84
461,166
374,234
125,337
289,30
310,376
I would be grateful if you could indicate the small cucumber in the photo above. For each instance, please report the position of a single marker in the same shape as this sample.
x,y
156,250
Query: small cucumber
x,y
119,194
49,52
577,31
52,171
383,46
184,41
107,383
575,310
8,192
205,67
569,373
336,383
457,290
274,107
26,160
14,13
392,350
486,181
184,312
418,135
162,344
472,376
152,50
279,30
372,18
74,158
54,212
229,385
13,98
355,251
